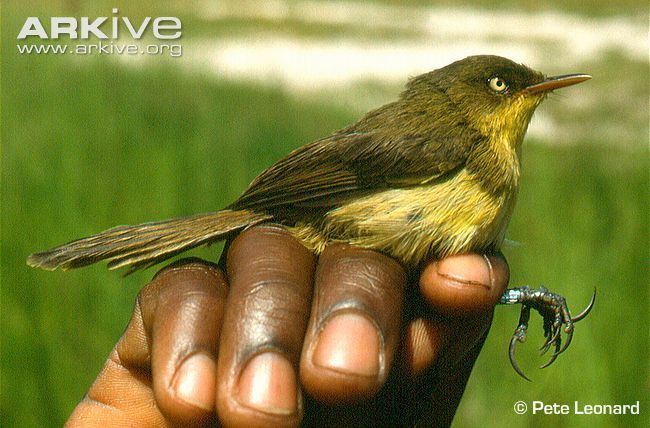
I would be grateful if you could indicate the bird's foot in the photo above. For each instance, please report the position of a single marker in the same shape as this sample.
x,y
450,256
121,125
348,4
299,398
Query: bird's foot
x,y
553,309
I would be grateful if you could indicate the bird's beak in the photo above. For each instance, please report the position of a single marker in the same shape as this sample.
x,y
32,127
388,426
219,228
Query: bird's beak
x,y
556,82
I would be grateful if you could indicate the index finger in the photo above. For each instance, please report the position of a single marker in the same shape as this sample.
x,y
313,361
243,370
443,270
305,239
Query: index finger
x,y
458,289
445,336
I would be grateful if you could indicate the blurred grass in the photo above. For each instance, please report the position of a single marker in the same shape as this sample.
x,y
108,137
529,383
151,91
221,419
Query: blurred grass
x,y
89,144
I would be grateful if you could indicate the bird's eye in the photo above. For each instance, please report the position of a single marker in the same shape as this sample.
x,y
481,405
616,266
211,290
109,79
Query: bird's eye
x,y
497,84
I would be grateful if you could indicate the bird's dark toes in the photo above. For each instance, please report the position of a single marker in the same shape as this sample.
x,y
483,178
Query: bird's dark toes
x,y
569,338
557,318
554,355
551,339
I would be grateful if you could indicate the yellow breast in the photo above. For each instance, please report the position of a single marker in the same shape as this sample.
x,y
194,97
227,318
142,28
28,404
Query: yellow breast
x,y
439,219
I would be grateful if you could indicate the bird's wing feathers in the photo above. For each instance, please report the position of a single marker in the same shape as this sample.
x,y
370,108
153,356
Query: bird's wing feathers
x,y
333,169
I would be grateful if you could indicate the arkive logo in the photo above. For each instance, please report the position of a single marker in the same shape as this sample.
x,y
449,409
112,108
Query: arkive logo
x,y
103,27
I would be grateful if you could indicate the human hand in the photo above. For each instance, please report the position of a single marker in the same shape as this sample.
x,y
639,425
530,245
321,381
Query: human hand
x,y
347,339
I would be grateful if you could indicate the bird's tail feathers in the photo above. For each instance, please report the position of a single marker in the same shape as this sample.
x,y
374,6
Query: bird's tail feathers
x,y
143,245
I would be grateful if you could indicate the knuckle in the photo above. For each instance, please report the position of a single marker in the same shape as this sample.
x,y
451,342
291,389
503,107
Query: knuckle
x,y
363,274
189,263
276,302
189,282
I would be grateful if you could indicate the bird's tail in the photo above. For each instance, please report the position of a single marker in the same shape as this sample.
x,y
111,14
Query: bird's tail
x,y
146,244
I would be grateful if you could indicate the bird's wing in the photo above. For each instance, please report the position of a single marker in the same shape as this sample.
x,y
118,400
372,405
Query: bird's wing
x,y
334,169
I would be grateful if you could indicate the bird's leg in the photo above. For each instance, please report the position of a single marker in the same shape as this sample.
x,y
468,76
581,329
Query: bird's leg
x,y
553,309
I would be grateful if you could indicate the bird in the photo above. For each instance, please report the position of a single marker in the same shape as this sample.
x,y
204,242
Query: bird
x,y
432,174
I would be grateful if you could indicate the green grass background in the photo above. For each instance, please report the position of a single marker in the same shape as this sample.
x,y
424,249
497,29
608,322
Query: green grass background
x,y
90,144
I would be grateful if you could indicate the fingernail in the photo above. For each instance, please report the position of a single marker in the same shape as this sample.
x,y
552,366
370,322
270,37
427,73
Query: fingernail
x,y
349,343
268,384
470,268
424,340
195,381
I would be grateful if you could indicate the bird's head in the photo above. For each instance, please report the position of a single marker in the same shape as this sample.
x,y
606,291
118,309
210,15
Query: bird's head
x,y
496,96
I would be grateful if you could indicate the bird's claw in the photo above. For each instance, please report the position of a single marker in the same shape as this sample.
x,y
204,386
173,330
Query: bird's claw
x,y
519,336
557,318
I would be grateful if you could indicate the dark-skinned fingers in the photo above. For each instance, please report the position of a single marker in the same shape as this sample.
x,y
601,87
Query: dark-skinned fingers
x,y
464,284
447,329
440,398
165,315
354,326
175,333
270,275
119,397
456,290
